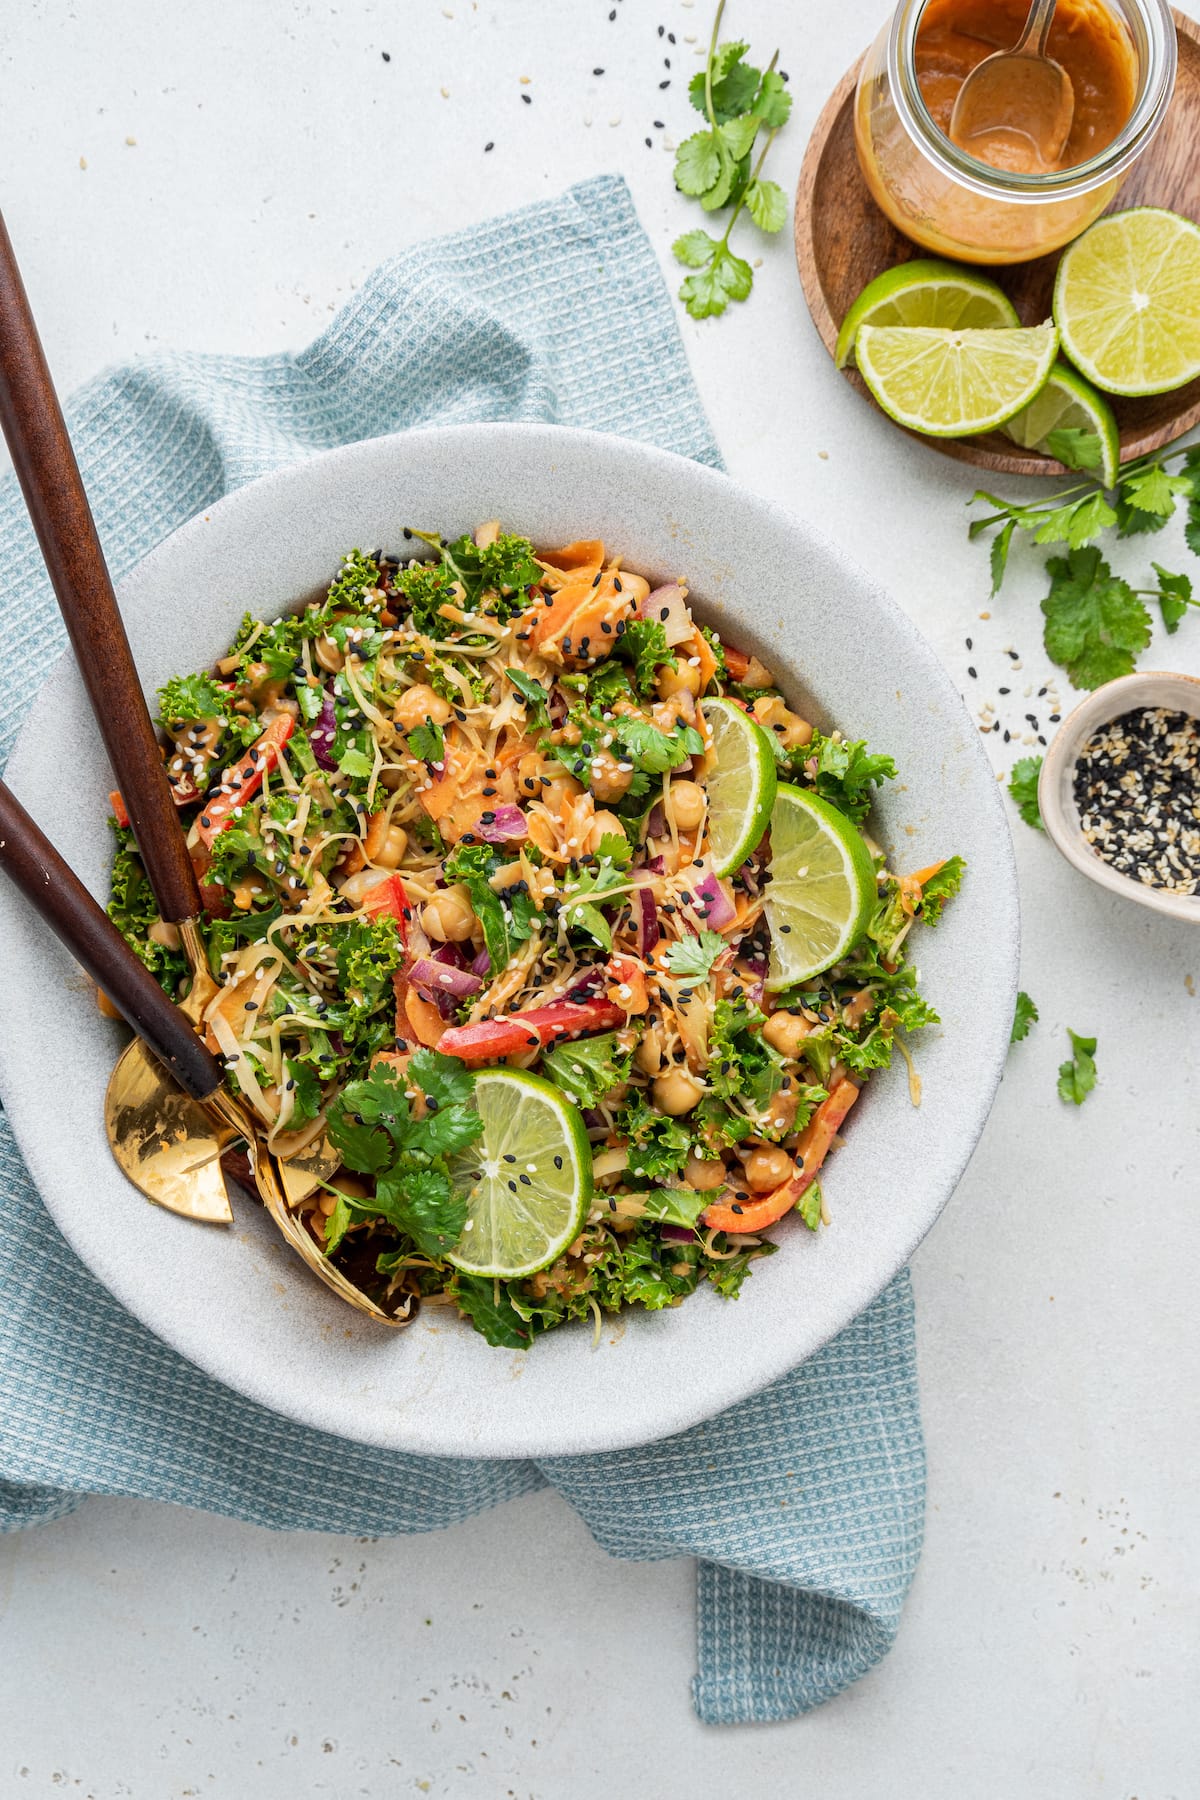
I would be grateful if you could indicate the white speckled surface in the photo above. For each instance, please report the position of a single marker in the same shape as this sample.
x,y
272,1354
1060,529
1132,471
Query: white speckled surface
x,y
234,1301
1049,1648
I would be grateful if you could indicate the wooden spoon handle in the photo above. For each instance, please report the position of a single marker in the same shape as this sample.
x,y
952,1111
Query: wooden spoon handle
x,y
32,421
57,894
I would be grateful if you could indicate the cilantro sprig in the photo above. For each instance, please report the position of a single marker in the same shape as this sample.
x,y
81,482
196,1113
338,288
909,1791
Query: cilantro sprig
x,y
1097,623
1077,1076
717,167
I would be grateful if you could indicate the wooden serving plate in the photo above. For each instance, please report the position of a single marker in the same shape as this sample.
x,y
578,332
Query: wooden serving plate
x,y
843,241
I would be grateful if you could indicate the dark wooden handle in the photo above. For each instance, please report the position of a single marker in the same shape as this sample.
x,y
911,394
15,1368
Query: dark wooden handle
x,y
33,424
57,894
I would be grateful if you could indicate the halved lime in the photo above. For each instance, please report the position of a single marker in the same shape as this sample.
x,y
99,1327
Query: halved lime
x,y
527,1180
741,785
1127,301
954,383
820,890
926,291
1069,402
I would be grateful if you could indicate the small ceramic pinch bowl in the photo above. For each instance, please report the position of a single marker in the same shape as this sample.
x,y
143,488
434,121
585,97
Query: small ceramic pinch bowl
x,y
1056,784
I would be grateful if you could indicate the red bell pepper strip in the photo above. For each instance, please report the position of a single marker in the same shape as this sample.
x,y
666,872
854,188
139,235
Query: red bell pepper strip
x,y
811,1151
492,1039
244,778
388,896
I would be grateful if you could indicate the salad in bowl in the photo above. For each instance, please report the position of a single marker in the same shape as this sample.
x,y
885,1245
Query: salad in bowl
x,y
542,902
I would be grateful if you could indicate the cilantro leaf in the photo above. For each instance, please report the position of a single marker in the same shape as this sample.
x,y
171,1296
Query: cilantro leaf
x,y
999,553
1074,447
694,249
490,1310
587,1069
698,163
1077,1077
534,696
1095,623
428,742
1023,786
1152,490
1024,1016
420,1204
1076,522
695,956
1174,596
774,103
766,203
442,1079
355,763
727,277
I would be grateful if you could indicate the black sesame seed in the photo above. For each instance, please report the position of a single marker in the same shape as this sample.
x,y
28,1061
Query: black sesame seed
x,y
489,146
528,99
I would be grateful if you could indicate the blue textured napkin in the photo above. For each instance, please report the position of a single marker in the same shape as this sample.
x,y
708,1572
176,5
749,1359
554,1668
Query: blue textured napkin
x,y
804,1504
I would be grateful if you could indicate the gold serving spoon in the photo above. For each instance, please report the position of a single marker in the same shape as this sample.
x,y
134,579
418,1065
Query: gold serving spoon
x,y
167,1147
1015,109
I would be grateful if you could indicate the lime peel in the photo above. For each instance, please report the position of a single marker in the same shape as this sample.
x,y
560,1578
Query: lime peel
x,y
926,291
955,383
741,786
820,890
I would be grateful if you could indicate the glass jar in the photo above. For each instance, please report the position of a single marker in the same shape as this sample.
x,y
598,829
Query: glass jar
x,y
960,207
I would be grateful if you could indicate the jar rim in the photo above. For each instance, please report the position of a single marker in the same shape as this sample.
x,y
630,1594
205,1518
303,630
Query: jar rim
x,y
968,171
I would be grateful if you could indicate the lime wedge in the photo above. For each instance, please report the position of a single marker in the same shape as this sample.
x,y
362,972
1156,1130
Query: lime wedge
x,y
527,1180
953,383
741,786
1068,402
820,890
926,292
1127,301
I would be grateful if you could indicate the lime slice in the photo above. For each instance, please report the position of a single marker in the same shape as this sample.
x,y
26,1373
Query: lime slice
x,y
821,887
1127,301
527,1180
953,383
926,292
1069,402
741,788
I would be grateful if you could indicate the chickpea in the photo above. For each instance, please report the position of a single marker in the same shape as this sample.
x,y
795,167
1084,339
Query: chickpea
x,y
449,915
683,680
608,779
163,932
687,803
529,775
791,730
757,675
394,846
767,1169
786,1031
604,824
668,715
487,533
649,1054
676,1092
329,656
419,704
705,1173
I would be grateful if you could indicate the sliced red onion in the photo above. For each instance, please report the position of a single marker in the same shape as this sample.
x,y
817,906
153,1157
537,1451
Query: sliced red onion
x,y
437,980
645,916
678,1234
668,606
506,825
450,953
756,964
322,733
712,899
656,866
656,824
755,992
482,964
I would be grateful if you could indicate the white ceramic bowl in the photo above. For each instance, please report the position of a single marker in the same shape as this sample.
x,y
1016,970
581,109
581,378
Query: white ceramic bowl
x,y
237,1302
1056,789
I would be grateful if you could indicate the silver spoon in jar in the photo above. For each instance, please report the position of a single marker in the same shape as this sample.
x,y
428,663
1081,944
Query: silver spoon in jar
x,y
1016,107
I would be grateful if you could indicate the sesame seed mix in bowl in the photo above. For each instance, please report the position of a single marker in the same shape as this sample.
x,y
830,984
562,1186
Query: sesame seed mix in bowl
x,y
1137,787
